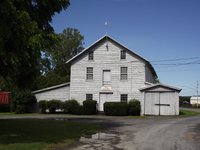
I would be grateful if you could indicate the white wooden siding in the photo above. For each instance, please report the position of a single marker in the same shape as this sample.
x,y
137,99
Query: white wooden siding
x,y
107,60
149,76
62,93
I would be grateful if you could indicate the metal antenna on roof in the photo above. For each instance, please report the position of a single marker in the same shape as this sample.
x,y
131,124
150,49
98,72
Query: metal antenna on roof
x,y
106,28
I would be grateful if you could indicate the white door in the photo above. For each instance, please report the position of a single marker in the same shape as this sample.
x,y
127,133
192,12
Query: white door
x,y
151,102
167,102
105,97
106,77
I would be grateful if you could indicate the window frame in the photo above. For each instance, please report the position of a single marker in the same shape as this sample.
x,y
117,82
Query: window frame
x,y
89,96
106,82
123,55
123,76
124,98
89,75
91,55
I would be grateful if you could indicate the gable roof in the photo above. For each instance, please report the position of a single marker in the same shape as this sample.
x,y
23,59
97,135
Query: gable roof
x,y
51,88
160,85
106,37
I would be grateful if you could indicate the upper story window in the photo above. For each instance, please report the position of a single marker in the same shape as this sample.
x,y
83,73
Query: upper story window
x,y
124,98
124,73
123,54
89,73
106,77
89,97
91,55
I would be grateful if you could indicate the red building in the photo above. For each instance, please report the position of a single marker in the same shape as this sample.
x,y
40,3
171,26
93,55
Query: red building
x,y
4,97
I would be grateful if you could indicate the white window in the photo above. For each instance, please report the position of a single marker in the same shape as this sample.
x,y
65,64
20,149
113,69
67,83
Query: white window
x,y
124,98
91,55
124,73
89,97
89,75
106,77
123,54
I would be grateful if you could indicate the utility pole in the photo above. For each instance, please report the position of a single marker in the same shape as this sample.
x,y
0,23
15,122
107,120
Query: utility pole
x,y
197,93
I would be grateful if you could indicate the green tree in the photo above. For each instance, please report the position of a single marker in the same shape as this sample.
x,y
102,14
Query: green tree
x,y
54,67
25,30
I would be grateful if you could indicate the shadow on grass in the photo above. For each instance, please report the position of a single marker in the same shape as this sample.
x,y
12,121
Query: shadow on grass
x,y
47,131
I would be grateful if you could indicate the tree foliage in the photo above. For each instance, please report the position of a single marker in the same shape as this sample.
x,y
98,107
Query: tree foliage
x,y
25,30
54,67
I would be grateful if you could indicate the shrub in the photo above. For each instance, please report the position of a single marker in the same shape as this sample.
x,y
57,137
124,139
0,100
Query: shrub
x,y
70,105
20,109
116,108
4,107
42,106
184,101
89,107
134,107
78,110
24,101
52,105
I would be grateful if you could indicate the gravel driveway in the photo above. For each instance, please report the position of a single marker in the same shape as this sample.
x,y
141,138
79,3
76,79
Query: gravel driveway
x,y
152,133
126,133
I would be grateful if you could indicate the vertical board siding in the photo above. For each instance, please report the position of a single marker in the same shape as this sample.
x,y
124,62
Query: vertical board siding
x,y
151,98
167,98
153,103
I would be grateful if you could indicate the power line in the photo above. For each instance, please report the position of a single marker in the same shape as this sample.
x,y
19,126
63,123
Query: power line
x,y
176,59
177,70
178,64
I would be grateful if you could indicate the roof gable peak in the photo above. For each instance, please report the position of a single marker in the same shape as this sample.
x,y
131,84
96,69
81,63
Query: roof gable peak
x,y
106,37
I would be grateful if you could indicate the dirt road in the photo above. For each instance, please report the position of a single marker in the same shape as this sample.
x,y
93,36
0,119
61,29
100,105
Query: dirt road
x,y
154,133
148,133
160,134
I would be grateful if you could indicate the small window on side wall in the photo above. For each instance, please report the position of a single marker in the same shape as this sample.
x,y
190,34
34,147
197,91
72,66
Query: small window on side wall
x,y
91,55
124,98
89,74
89,97
123,54
124,73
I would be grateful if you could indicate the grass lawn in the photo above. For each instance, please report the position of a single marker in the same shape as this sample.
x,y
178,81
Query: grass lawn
x,y
188,113
7,113
36,134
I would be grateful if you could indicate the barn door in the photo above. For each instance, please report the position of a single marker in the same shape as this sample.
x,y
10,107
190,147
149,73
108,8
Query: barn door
x,y
150,107
167,103
104,97
159,103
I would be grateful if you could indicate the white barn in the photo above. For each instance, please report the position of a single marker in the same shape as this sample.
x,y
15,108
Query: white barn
x,y
108,71
58,92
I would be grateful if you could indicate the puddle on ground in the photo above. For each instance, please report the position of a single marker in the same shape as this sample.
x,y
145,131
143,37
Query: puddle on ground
x,y
99,136
98,141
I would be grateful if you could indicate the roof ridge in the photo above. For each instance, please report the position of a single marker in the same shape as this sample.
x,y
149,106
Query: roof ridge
x,y
51,87
115,41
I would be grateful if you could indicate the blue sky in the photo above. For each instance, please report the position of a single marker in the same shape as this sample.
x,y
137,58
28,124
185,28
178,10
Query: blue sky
x,y
155,29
